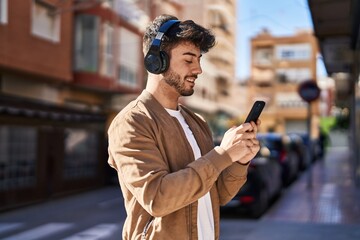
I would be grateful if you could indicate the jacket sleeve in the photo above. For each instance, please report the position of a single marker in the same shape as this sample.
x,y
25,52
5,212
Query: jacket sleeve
x,y
135,154
232,178
230,181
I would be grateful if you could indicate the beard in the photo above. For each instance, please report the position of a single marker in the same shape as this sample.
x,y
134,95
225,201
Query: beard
x,y
174,80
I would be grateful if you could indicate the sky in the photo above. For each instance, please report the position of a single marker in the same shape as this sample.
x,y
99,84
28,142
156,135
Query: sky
x,y
280,17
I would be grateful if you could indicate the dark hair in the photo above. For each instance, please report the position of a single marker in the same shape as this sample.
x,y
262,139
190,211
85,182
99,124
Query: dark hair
x,y
186,31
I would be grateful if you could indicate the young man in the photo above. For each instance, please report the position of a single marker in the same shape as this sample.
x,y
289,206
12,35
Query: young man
x,y
172,177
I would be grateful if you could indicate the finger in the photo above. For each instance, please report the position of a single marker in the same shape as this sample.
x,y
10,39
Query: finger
x,y
248,135
243,128
232,129
246,142
255,127
239,140
258,122
255,147
250,144
255,142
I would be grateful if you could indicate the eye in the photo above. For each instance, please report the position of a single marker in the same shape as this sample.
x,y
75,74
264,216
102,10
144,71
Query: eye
x,y
188,61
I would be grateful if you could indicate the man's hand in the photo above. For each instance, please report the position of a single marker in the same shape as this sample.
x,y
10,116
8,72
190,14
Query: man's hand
x,y
241,143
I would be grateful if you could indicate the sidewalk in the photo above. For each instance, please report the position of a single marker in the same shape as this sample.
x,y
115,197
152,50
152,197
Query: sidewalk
x,y
322,204
332,196
282,230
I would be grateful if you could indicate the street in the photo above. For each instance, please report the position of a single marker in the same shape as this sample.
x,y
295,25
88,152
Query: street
x,y
331,208
97,214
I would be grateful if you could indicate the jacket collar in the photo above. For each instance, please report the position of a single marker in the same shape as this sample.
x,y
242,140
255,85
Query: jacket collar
x,y
149,99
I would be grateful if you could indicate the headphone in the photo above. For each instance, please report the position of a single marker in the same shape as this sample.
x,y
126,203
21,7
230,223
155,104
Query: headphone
x,y
157,61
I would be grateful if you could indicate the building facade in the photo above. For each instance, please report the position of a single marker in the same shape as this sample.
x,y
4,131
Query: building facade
x,y
67,68
278,66
63,65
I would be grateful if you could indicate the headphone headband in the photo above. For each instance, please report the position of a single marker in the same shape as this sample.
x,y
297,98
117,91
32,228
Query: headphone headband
x,y
157,61
163,29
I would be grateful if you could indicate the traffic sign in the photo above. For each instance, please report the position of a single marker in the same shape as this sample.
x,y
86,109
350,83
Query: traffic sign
x,y
309,90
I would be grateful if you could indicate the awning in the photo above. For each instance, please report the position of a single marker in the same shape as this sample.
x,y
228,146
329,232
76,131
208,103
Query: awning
x,y
26,108
336,25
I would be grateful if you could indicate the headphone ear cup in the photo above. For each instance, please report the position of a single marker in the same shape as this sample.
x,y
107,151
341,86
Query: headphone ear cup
x,y
165,61
153,63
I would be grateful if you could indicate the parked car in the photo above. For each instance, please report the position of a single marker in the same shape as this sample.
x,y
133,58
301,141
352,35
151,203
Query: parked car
x,y
263,185
278,145
298,145
312,145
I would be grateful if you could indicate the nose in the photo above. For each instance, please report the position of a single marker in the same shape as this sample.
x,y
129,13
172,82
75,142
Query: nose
x,y
197,68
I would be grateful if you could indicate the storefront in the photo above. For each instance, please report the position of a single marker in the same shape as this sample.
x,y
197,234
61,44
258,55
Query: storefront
x,y
337,28
48,151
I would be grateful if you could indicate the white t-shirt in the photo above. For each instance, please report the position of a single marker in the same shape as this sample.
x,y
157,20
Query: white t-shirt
x,y
205,217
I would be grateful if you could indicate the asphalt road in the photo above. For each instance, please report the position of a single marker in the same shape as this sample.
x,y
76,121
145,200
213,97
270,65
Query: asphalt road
x,y
97,214
93,215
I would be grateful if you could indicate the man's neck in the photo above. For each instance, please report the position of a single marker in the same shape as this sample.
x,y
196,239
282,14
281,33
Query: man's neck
x,y
163,93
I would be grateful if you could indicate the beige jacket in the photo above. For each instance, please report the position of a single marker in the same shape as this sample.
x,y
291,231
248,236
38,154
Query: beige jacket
x,y
159,177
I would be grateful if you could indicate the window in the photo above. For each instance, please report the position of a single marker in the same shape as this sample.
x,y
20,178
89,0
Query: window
x,y
81,153
289,100
217,20
294,75
293,52
128,76
45,22
287,54
86,43
129,58
3,12
263,56
108,50
18,153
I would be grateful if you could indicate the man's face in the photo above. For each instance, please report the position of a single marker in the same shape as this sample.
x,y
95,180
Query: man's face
x,y
184,68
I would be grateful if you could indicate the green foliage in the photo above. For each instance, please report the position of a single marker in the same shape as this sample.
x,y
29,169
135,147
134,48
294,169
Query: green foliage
x,y
327,123
340,121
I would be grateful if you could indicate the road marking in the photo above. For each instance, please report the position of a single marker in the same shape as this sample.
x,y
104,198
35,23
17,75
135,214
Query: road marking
x,y
5,227
41,231
100,231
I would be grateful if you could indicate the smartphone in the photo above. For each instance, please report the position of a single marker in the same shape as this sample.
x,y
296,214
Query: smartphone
x,y
255,111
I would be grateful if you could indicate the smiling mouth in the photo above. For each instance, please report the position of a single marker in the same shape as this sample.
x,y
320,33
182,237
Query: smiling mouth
x,y
191,79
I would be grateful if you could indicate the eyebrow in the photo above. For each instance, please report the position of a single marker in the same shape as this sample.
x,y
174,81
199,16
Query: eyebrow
x,y
192,54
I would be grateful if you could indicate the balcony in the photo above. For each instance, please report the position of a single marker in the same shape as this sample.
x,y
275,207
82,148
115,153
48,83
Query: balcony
x,y
262,77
